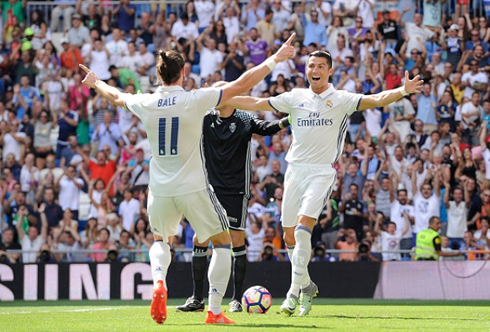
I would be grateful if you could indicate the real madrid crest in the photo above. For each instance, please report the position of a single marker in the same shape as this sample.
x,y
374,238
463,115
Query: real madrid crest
x,y
329,103
233,127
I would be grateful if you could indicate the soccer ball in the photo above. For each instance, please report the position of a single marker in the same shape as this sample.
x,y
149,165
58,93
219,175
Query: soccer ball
x,y
256,300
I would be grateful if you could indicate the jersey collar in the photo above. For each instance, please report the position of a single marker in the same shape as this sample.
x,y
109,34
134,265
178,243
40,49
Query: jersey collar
x,y
325,93
170,88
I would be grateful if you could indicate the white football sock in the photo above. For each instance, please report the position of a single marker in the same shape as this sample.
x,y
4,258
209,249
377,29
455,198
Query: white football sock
x,y
290,253
218,275
160,258
301,258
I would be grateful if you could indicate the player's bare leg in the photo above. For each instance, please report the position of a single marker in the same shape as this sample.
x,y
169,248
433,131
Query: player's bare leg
x,y
195,303
218,276
239,268
160,258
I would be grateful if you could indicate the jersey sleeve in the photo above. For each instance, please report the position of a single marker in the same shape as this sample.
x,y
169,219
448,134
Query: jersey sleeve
x,y
351,101
266,128
282,103
134,103
207,98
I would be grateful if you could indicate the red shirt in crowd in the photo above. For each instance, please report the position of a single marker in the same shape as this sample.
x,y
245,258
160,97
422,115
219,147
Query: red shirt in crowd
x,y
392,81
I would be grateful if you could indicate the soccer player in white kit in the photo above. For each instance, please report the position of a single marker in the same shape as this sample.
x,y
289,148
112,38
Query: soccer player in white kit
x,y
173,119
319,118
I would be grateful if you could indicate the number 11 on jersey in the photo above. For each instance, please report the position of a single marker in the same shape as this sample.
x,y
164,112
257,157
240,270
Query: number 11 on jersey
x,y
174,135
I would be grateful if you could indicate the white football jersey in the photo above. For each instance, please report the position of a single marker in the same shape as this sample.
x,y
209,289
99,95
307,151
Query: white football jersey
x,y
318,122
173,120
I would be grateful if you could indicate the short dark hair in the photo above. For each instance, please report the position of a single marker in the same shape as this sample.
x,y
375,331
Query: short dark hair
x,y
433,219
169,66
322,54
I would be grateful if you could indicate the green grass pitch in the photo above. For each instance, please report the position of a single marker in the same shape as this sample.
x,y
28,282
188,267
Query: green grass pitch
x,y
343,315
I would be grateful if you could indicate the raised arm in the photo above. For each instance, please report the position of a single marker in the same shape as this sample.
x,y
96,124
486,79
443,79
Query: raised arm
x,y
446,193
252,77
387,97
483,135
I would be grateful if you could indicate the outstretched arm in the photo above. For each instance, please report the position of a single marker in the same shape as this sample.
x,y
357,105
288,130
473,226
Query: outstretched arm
x,y
108,92
250,103
387,97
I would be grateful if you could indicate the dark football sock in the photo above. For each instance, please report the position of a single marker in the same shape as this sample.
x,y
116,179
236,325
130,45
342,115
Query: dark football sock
x,y
199,265
239,268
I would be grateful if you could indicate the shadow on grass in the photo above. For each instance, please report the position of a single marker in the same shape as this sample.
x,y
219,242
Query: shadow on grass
x,y
261,326
396,318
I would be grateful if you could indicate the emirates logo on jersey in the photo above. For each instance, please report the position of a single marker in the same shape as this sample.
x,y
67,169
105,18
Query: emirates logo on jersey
x,y
233,127
329,103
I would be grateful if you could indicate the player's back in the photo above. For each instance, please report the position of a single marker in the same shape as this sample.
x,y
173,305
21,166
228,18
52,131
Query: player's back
x,y
173,120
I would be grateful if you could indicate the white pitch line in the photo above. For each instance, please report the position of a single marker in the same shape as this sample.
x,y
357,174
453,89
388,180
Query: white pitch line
x,y
66,310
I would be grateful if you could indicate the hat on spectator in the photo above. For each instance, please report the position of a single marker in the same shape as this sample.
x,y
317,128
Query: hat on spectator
x,y
76,16
64,40
454,27
29,32
386,11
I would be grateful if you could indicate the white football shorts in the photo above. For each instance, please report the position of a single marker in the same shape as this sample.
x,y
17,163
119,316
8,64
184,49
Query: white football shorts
x,y
306,190
203,210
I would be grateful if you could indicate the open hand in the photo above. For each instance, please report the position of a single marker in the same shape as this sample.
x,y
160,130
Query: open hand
x,y
413,86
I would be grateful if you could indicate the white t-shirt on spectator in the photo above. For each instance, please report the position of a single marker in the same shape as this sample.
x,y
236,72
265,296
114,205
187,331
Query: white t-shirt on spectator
x,y
390,242
367,13
205,12
117,51
10,145
35,245
281,18
179,30
25,178
210,61
283,68
128,211
326,7
132,62
424,209
69,196
341,54
232,27
414,31
456,219
396,216
486,158
100,65
469,108
350,86
478,77
373,121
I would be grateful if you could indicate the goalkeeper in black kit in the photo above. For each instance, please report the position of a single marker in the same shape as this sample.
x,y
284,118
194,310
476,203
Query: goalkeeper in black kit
x,y
226,140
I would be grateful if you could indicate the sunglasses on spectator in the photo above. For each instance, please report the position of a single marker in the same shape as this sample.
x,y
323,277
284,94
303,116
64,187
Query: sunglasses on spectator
x,y
415,53
475,35
474,64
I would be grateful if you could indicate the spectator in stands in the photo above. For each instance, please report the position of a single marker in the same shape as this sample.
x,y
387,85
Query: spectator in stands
x,y
125,13
69,186
13,142
346,239
211,58
29,235
252,14
8,243
426,110
103,243
117,47
108,134
457,210
63,10
68,122
129,210
354,211
352,175
257,49
272,181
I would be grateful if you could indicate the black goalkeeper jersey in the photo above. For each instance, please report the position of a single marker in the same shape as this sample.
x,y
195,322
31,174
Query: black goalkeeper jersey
x,y
226,144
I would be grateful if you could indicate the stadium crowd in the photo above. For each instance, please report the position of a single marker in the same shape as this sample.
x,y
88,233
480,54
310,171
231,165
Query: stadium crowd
x,y
425,155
